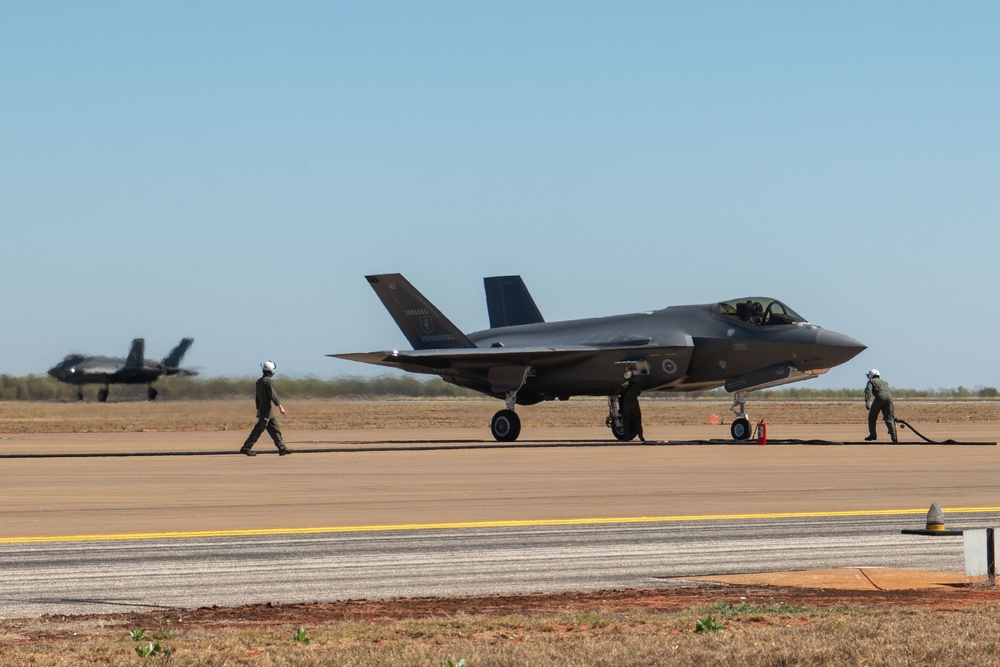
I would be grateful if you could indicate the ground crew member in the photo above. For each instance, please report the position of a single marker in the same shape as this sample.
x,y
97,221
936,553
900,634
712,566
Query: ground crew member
x,y
628,404
266,400
878,399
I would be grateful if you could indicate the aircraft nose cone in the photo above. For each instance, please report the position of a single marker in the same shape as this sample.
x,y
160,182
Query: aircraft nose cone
x,y
838,348
61,372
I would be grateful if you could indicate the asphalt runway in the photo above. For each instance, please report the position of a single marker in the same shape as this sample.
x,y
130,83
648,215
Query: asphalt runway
x,y
82,577
97,523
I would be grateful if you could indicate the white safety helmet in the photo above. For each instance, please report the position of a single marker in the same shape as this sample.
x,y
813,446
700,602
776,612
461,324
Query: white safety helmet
x,y
873,373
628,375
267,366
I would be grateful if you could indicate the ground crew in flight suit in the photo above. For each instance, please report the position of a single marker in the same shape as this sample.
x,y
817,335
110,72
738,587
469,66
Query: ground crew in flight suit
x,y
878,399
266,400
628,404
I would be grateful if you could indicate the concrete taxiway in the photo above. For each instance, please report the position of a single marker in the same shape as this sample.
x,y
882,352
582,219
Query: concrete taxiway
x,y
144,483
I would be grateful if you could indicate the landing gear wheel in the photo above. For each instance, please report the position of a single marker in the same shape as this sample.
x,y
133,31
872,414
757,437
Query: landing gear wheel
x,y
102,395
506,426
621,433
740,429
151,393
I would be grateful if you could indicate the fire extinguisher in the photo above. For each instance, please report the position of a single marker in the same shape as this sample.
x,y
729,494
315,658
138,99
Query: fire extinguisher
x,y
762,433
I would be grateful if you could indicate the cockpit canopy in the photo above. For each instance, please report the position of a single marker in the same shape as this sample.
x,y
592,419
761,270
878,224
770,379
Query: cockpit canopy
x,y
759,311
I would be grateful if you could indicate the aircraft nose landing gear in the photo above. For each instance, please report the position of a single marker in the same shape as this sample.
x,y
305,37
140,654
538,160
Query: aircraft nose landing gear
x,y
740,430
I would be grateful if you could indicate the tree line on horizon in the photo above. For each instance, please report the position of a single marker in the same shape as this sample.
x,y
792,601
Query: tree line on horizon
x,y
45,388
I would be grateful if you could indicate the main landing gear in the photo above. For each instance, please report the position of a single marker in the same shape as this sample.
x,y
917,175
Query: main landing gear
x,y
105,391
740,429
615,421
506,425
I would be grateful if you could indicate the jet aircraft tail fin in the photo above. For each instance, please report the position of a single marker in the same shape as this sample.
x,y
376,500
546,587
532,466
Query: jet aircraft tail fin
x,y
419,320
509,303
173,360
136,354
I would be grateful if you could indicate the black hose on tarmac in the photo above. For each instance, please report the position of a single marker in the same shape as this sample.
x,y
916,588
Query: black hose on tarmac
x,y
903,424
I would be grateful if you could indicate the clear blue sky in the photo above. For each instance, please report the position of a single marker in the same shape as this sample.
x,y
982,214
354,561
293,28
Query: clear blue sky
x,y
231,170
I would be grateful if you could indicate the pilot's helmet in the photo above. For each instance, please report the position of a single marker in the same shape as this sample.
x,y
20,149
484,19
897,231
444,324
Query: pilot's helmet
x,y
873,373
267,366
628,375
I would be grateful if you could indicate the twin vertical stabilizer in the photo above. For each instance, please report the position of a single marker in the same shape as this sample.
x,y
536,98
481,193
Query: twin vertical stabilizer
x,y
137,354
509,303
422,324
173,360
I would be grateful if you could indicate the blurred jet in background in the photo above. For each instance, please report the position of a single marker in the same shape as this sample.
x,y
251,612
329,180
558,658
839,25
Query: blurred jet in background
x,y
80,369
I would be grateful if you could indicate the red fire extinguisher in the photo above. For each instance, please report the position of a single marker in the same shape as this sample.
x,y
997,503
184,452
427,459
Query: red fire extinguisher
x,y
762,433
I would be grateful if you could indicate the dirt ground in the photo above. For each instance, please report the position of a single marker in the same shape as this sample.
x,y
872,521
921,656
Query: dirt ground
x,y
317,616
359,416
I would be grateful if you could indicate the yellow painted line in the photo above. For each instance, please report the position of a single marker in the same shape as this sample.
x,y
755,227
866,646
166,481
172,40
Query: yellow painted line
x,y
479,524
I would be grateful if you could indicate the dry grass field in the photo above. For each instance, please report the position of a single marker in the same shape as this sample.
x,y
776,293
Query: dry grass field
x,y
345,415
724,626
720,625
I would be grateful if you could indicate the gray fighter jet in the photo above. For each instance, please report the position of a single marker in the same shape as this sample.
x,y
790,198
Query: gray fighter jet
x,y
742,345
135,369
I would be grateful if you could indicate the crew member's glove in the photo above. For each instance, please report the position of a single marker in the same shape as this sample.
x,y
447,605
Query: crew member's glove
x,y
867,406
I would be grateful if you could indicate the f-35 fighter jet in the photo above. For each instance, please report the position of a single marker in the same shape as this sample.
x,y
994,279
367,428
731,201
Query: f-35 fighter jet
x,y
741,344
135,369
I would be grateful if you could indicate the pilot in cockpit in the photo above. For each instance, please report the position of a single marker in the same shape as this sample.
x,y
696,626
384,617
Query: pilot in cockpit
x,y
750,312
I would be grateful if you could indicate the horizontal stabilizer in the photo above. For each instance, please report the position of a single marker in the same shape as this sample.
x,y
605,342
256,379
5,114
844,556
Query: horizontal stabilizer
x,y
433,361
486,357
420,321
509,303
